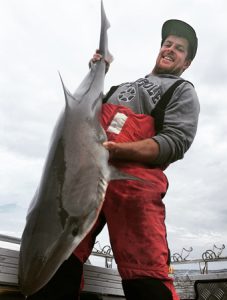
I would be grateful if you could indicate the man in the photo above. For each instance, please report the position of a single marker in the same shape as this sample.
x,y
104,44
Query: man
x,y
150,123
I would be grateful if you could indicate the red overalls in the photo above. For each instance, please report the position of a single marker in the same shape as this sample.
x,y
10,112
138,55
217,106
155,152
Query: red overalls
x,y
133,210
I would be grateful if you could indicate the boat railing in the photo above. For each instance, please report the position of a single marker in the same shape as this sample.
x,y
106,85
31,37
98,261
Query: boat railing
x,y
99,251
9,239
208,256
181,258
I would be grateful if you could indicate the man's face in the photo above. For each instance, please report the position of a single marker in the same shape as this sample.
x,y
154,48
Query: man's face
x,y
172,57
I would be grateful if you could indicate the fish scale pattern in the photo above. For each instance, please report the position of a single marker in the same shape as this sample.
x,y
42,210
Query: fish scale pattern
x,y
211,290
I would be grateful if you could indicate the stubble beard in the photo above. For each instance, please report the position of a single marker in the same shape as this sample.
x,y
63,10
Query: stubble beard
x,y
160,71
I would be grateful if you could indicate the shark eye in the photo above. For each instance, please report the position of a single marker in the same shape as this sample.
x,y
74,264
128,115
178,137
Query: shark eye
x,y
75,231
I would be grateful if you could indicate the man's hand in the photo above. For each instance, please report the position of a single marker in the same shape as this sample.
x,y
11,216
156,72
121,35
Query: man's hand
x,y
97,57
144,151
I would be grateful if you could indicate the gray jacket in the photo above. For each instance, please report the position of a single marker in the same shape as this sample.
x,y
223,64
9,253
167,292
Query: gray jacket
x,y
181,114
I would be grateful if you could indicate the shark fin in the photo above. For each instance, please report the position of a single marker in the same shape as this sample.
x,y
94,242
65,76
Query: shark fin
x,y
118,175
69,98
103,44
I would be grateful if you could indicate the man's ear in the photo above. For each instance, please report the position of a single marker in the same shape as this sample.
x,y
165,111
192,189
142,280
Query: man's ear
x,y
187,64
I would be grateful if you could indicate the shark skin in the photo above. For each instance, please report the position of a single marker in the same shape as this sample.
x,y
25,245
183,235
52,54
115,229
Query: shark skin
x,y
74,180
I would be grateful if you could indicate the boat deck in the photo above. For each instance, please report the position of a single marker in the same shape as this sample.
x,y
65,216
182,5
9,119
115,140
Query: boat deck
x,y
105,283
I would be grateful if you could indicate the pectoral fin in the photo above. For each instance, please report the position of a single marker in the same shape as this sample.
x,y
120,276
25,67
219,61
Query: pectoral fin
x,y
119,175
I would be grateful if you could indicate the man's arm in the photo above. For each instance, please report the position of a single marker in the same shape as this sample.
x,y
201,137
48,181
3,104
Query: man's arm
x,y
179,126
144,151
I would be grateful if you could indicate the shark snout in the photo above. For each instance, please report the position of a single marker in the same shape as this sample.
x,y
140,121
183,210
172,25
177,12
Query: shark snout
x,y
31,278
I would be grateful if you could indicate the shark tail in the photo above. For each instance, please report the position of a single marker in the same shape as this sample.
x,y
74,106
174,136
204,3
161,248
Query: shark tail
x,y
103,43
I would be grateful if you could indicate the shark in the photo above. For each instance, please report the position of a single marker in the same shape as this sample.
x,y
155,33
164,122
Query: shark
x,y
74,180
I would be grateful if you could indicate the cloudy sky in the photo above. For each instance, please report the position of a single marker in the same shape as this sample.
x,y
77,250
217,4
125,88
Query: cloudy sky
x,y
38,38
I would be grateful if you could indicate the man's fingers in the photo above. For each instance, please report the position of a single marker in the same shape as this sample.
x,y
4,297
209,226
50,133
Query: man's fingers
x,y
109,145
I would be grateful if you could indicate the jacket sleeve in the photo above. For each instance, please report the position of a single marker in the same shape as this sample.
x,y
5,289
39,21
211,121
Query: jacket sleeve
x,y
179,126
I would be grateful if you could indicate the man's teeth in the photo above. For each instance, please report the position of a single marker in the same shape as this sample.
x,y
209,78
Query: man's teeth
x,y
168,58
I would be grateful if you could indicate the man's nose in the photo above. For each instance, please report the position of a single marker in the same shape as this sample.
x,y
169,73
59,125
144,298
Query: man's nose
x,y
171,48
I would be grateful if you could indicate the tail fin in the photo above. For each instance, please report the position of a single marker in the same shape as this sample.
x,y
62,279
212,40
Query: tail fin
x,y
103,43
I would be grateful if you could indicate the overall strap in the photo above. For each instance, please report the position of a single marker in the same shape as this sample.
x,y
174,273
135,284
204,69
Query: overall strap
x,y
111,91
159,111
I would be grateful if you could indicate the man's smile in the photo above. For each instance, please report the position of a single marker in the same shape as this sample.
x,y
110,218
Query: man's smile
x,y
168,58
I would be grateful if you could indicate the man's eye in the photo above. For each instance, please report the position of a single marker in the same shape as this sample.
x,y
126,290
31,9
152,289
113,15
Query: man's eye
x,y
181,49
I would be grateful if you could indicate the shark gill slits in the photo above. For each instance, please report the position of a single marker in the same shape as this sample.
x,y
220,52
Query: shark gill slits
x,y
63,214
